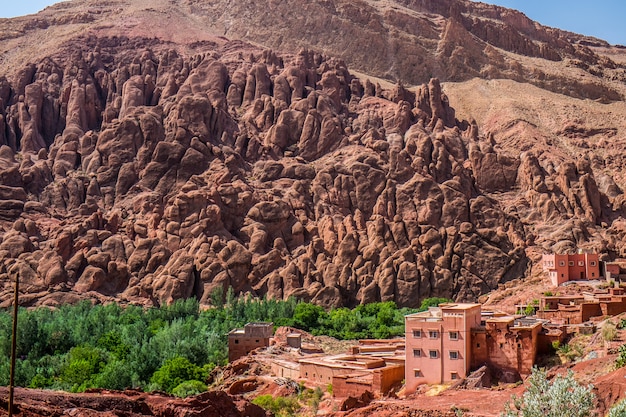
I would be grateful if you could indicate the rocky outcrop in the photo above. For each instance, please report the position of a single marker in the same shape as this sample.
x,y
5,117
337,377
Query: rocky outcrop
x,y
131,169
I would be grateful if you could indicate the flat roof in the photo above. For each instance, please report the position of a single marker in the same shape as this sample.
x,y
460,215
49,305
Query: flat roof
x,y
436,312
459,306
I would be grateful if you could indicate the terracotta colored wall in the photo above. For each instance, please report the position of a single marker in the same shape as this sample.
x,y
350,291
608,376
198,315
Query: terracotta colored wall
x,y
563,268
343,389
387,377
590,310
613,269
480,353
283,371
512,349
614,307
545,341
439,370
244,346
318,373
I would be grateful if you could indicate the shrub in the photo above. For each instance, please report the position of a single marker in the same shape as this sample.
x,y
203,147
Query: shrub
x,y
620,361
189,388
176,371
280,406
609,331
563,397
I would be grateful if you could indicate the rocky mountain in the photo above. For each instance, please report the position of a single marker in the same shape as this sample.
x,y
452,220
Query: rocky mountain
x,y
160,150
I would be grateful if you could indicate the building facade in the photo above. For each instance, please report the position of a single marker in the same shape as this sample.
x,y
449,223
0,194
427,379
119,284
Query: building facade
x,y
563,268
243,341
438,344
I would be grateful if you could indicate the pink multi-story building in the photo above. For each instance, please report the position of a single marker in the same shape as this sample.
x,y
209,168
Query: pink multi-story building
x,y
438,344
563,268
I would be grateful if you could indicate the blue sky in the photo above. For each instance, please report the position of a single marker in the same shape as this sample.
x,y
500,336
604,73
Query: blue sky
x,y
604,19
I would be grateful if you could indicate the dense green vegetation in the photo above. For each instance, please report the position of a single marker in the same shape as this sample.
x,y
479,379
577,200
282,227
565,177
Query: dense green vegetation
x,y
170,348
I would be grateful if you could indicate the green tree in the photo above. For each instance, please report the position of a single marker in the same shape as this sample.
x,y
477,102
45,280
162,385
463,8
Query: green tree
x,y
433,302
563,397
176,371
307,316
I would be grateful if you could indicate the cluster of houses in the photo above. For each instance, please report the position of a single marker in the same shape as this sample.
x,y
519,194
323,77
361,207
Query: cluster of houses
x,y
445,343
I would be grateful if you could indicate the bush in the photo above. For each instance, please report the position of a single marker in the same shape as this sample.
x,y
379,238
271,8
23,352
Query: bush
x,y
189,388
279,406
609,331
176,371
563,397
620,361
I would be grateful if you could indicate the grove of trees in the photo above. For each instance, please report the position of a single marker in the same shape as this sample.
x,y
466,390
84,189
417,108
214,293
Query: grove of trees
x,y
171,348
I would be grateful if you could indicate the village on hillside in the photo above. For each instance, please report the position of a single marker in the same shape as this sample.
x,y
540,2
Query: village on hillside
x,y
454,344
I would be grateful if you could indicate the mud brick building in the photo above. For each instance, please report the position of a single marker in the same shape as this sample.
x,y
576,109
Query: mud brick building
x,y
352,375
507,344
578,309
252,336
445,343
439,345
563,268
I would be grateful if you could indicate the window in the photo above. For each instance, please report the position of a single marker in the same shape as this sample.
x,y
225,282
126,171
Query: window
x,y
256,341
417,333
571,263
561,263
581,263
501,345
417,353
454,375
454,354
592,263
454,335
236,341
433,354
477,345
417,373
433,334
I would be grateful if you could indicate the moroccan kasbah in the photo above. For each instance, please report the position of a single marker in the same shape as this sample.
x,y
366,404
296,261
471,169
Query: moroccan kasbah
x,y
335,152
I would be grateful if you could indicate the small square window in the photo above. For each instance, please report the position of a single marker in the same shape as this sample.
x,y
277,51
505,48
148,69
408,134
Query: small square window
x,y
477,345
417,373
433,334
592,263
257,341
417,333
236,341
571,263
454,354
433,354
417,353
454,375
581,263
454,335
501,345
561,263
